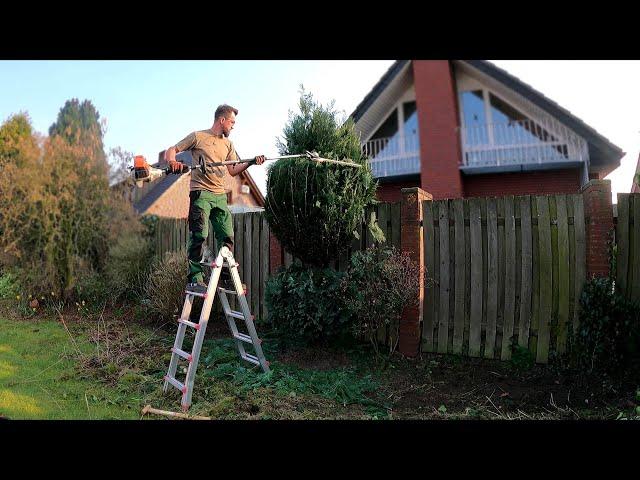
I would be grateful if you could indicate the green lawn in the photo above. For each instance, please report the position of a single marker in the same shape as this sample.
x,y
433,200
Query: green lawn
x,y
38,379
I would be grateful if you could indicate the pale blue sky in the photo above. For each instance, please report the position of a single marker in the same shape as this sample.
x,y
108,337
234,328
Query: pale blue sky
x,y
150,105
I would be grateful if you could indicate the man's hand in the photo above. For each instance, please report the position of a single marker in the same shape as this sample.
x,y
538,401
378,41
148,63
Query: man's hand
x,y
259,160
175,166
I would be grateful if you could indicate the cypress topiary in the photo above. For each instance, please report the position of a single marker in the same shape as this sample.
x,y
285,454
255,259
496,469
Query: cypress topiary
x,y
314,208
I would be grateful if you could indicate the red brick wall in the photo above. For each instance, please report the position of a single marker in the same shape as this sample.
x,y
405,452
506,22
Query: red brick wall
x,y
598,212
548,182
411,238
391,192
438,120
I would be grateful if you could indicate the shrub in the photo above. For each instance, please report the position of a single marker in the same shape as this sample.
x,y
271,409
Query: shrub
x,y
9,286
608,336
164,289
307,303
129,263
92,288
381,283
314,208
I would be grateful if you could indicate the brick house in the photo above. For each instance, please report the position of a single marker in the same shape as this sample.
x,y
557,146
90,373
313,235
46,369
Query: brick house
x,y
465,128
168,196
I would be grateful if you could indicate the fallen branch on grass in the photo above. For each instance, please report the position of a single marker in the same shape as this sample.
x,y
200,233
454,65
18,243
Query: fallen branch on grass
x,y
148,409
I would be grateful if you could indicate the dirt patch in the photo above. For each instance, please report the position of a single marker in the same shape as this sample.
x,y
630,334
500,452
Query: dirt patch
x,y
315,359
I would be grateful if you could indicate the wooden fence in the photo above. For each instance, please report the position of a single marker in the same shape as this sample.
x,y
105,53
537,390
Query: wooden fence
x,y
251,233
504,271
628,245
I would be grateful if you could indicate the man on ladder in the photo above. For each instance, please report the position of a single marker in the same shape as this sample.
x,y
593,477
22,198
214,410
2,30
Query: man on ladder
x,y
207,197
208,201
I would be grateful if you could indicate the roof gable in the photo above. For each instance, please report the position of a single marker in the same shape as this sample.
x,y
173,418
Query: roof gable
x,y
601,151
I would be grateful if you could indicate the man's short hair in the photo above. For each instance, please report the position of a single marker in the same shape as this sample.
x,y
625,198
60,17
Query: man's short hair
x,y
224,111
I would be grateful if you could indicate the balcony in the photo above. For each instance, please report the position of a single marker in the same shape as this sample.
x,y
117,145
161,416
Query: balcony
x,y
393,156
519,145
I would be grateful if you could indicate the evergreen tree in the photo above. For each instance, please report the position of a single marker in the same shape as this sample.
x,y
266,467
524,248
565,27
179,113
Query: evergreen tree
x,y
314,208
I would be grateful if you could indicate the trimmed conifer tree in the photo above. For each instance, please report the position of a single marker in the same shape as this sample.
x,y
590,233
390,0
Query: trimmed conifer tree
x,y
314,208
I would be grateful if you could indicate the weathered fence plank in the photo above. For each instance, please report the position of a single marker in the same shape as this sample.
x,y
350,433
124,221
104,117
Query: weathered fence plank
x,y
429,310
525,286
475,236
510,277
458,322
255,264
622,239
264,264
546,272
634,252
581,263
563,272
492,277
443,316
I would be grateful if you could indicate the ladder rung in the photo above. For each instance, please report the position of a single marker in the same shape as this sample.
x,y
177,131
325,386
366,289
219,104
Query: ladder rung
x,y
243,337
235,314
232,292
197,294
182,353
176,383
251,358
189,324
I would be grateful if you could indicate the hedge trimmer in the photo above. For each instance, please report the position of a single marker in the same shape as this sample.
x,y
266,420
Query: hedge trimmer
x,y
143,172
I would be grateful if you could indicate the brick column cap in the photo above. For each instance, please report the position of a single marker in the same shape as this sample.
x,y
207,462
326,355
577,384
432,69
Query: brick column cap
x,y
605,185
418,190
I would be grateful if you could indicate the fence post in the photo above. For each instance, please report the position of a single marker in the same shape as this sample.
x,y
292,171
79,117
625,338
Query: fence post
x,y
411,241
598,212
275,254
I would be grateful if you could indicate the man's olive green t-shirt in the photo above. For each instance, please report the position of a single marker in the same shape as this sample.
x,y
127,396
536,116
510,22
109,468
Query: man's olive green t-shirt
x,y
213,149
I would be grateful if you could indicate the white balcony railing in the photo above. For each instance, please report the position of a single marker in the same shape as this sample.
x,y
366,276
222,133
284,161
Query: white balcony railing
x,y
520,143
392,156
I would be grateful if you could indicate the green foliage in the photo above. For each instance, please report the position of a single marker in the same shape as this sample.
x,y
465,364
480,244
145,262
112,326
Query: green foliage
x,y
16,140
381,283
164,289
608,336
9,285
314,208
522,359
129,264
63,214
343,385
307,303
79,124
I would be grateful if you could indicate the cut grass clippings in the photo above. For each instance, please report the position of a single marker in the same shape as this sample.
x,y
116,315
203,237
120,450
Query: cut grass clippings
x,y
38,379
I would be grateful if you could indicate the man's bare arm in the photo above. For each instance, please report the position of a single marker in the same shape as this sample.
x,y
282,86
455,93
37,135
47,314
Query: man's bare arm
x,y
241,167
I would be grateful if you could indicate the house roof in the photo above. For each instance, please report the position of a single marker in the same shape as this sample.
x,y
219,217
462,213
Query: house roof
x,y
601,151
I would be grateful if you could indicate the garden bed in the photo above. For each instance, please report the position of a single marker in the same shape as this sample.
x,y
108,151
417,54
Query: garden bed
x,y
121,361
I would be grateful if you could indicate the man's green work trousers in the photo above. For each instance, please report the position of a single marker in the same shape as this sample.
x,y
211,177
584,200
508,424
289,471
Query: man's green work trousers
x,y
205,206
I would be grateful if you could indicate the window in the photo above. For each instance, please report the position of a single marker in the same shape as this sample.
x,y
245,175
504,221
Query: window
x,y
410,127
475,120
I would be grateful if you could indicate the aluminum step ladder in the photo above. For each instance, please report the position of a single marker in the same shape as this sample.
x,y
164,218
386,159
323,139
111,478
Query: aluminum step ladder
x,y
223,260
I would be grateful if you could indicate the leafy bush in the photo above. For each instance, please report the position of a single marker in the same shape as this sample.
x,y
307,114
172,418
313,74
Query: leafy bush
x,y
9,286
314,208
164,289
307,303
92,288
381,283
130,260
608,336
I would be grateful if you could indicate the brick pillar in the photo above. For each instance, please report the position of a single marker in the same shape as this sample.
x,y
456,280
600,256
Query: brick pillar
x,y
275,253
411,242
598,212
438,122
